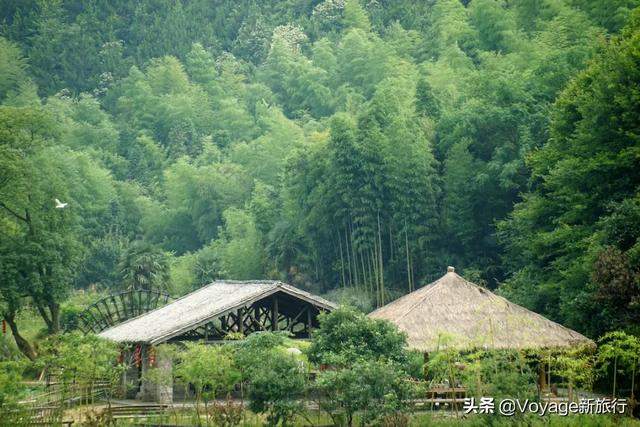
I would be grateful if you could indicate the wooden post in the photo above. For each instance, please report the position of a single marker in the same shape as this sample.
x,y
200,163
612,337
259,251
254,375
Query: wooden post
x,y
240,321
542,378
425,369
255,322
274,314
309,321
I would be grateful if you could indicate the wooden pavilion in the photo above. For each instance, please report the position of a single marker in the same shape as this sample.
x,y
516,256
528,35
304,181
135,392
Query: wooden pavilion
x,y
455,313
211,313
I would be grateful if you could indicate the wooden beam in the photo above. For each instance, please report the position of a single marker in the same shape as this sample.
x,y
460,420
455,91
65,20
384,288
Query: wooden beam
x,y
240,320
274,313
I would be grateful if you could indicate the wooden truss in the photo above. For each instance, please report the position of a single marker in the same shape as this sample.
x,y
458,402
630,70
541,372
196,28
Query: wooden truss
x,y
277,312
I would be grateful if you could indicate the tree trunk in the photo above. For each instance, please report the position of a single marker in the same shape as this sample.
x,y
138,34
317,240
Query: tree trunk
x,y
50,313
44,315
406,246
353,256
542,377
23,345
346,245
54,308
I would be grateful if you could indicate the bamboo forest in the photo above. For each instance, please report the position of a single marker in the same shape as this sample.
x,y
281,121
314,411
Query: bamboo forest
x,y
319,212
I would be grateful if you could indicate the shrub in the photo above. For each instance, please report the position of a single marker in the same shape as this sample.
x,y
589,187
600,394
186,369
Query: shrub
x,y
81,361
11,390
275,386
251,351
346,336
276,377
210,369
576,367
376,389
619,351
498,373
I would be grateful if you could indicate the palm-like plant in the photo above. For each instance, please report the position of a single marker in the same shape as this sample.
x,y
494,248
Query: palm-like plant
x,y
144,266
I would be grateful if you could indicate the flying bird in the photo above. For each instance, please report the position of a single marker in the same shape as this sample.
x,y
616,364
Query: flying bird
x,y
60,205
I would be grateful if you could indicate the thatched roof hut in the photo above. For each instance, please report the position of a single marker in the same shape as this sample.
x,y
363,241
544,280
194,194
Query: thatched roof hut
x,y
456,313
222,307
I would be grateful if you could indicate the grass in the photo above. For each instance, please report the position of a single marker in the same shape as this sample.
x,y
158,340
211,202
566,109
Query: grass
x,y
440,419
530,420
33,328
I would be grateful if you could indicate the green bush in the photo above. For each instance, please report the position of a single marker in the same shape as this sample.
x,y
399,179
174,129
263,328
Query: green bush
x,y
211,370
12,390
346,336
496,373
82,361
276,385
276,378
377,390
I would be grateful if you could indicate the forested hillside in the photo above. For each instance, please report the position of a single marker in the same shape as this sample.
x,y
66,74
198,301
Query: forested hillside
x,y
348,147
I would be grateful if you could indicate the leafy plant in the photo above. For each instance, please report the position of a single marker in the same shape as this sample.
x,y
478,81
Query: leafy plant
x,y
83,363
210,370
620,352
377,390
276,386
576,366
12,389
346,336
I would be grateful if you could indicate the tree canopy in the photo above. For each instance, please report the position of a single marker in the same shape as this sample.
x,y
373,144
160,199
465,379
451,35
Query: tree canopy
x,y
336,145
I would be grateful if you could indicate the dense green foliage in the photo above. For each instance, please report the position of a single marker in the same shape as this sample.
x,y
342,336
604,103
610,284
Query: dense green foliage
x,y
332,144
276,378
377,390
572,243
346,336
209,369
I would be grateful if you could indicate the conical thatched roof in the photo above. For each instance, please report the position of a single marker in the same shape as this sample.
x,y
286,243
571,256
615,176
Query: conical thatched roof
x,y
456,313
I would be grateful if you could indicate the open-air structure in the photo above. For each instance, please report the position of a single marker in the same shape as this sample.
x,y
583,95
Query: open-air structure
x,y
212,313
455,313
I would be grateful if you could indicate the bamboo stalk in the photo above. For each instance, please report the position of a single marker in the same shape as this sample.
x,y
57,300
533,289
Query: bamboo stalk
x,y
346,241
406,245
341,260
381,261
373,256
355,259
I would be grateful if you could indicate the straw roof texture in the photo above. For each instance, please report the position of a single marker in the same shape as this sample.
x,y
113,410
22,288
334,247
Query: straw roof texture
x,y
455,313
199,307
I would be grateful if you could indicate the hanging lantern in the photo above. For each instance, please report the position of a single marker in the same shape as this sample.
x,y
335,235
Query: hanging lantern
x,y
4,327
137,356
152,356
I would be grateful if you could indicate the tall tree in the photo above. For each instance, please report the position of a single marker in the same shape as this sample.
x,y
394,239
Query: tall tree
x,y
581,179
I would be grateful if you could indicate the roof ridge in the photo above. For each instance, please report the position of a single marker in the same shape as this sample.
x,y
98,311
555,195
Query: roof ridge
x,y
427,291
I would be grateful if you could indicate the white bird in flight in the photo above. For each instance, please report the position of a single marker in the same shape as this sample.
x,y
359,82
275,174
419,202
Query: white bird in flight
x,y
60,205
